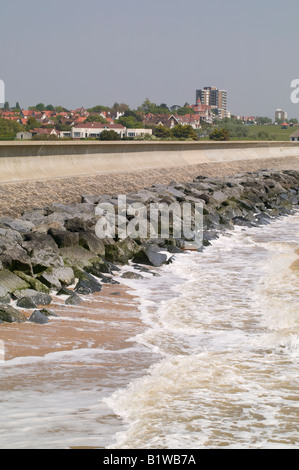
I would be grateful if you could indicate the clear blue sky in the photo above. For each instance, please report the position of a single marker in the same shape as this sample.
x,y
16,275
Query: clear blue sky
x,y
82,53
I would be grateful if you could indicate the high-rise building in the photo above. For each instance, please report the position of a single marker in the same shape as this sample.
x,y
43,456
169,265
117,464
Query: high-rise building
x,y
280,115
212,96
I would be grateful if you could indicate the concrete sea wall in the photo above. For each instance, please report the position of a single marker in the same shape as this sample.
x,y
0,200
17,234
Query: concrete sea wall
x,y
29,161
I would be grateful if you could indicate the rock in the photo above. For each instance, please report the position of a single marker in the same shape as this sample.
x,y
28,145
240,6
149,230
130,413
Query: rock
x,y
38,317
33,282
87,284
5,299
36,241
86,287
11,315
100,266
46,226
54,278
91,242
64,291
26,302
78,257
39,298
122,251
48,313
79,224
64,238
73,299
107,279
16,259
42,260
9,282
131,275
17,224
150,255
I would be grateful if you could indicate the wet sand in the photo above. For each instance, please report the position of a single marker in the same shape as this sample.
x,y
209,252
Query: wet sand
x,y
105,319
295,266
16,198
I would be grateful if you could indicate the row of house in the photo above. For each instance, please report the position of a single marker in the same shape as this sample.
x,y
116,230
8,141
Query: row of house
x,y
84,130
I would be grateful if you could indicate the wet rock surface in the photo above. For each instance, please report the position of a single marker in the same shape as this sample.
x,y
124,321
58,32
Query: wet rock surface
x,y
52,248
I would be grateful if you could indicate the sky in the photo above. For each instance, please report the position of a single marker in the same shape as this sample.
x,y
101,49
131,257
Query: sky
x,y
73,53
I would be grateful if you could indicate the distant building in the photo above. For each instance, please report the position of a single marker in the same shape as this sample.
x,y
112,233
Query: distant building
x,y
138,132
295,136
280,115
24,135
212,96
85,130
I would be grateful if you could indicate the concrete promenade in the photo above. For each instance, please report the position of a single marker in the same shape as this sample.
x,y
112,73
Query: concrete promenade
x,y
44,160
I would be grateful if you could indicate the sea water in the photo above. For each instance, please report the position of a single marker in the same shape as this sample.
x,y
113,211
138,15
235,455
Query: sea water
x,y
214,364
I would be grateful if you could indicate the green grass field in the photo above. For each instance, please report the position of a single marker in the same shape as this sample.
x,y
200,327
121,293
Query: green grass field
x,y
270,132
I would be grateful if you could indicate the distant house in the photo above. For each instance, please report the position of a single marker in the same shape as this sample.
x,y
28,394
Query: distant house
x,y
295,136
45,132
86,130
24,135
284,125
161,119
26,113
138,132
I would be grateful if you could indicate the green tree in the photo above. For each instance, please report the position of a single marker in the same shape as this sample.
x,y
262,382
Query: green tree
x,y
50,107
130,122
9,129
95,118
32,123
40,107
184,132
6,105
162,132
185,110
109,135
220,134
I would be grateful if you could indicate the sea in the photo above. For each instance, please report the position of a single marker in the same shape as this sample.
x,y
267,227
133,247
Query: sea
x,y
210,359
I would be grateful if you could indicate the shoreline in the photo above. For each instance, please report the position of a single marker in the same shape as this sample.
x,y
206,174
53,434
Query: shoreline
x,y
38,259
16,198
76,327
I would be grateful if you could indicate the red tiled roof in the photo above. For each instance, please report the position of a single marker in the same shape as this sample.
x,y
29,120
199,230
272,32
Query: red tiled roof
x,y
98,125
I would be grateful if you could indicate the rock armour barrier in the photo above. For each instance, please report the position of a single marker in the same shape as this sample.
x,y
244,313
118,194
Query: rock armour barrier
x,y
55,249
29,161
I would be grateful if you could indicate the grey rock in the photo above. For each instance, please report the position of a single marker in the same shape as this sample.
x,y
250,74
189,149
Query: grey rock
x,y
64,238
11,315
26,302
10,283
73,299
150,255
131,275
17,224
38,317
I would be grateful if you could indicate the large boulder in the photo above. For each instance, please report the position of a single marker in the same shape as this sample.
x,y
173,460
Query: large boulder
x,y
38,317
55,278
150,254
64,238
122,251
16,258
33,282
11,315
89,241
10,282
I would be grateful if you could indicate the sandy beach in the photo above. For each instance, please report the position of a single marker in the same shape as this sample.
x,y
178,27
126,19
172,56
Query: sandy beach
x,y
18,197
87,325
59,334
